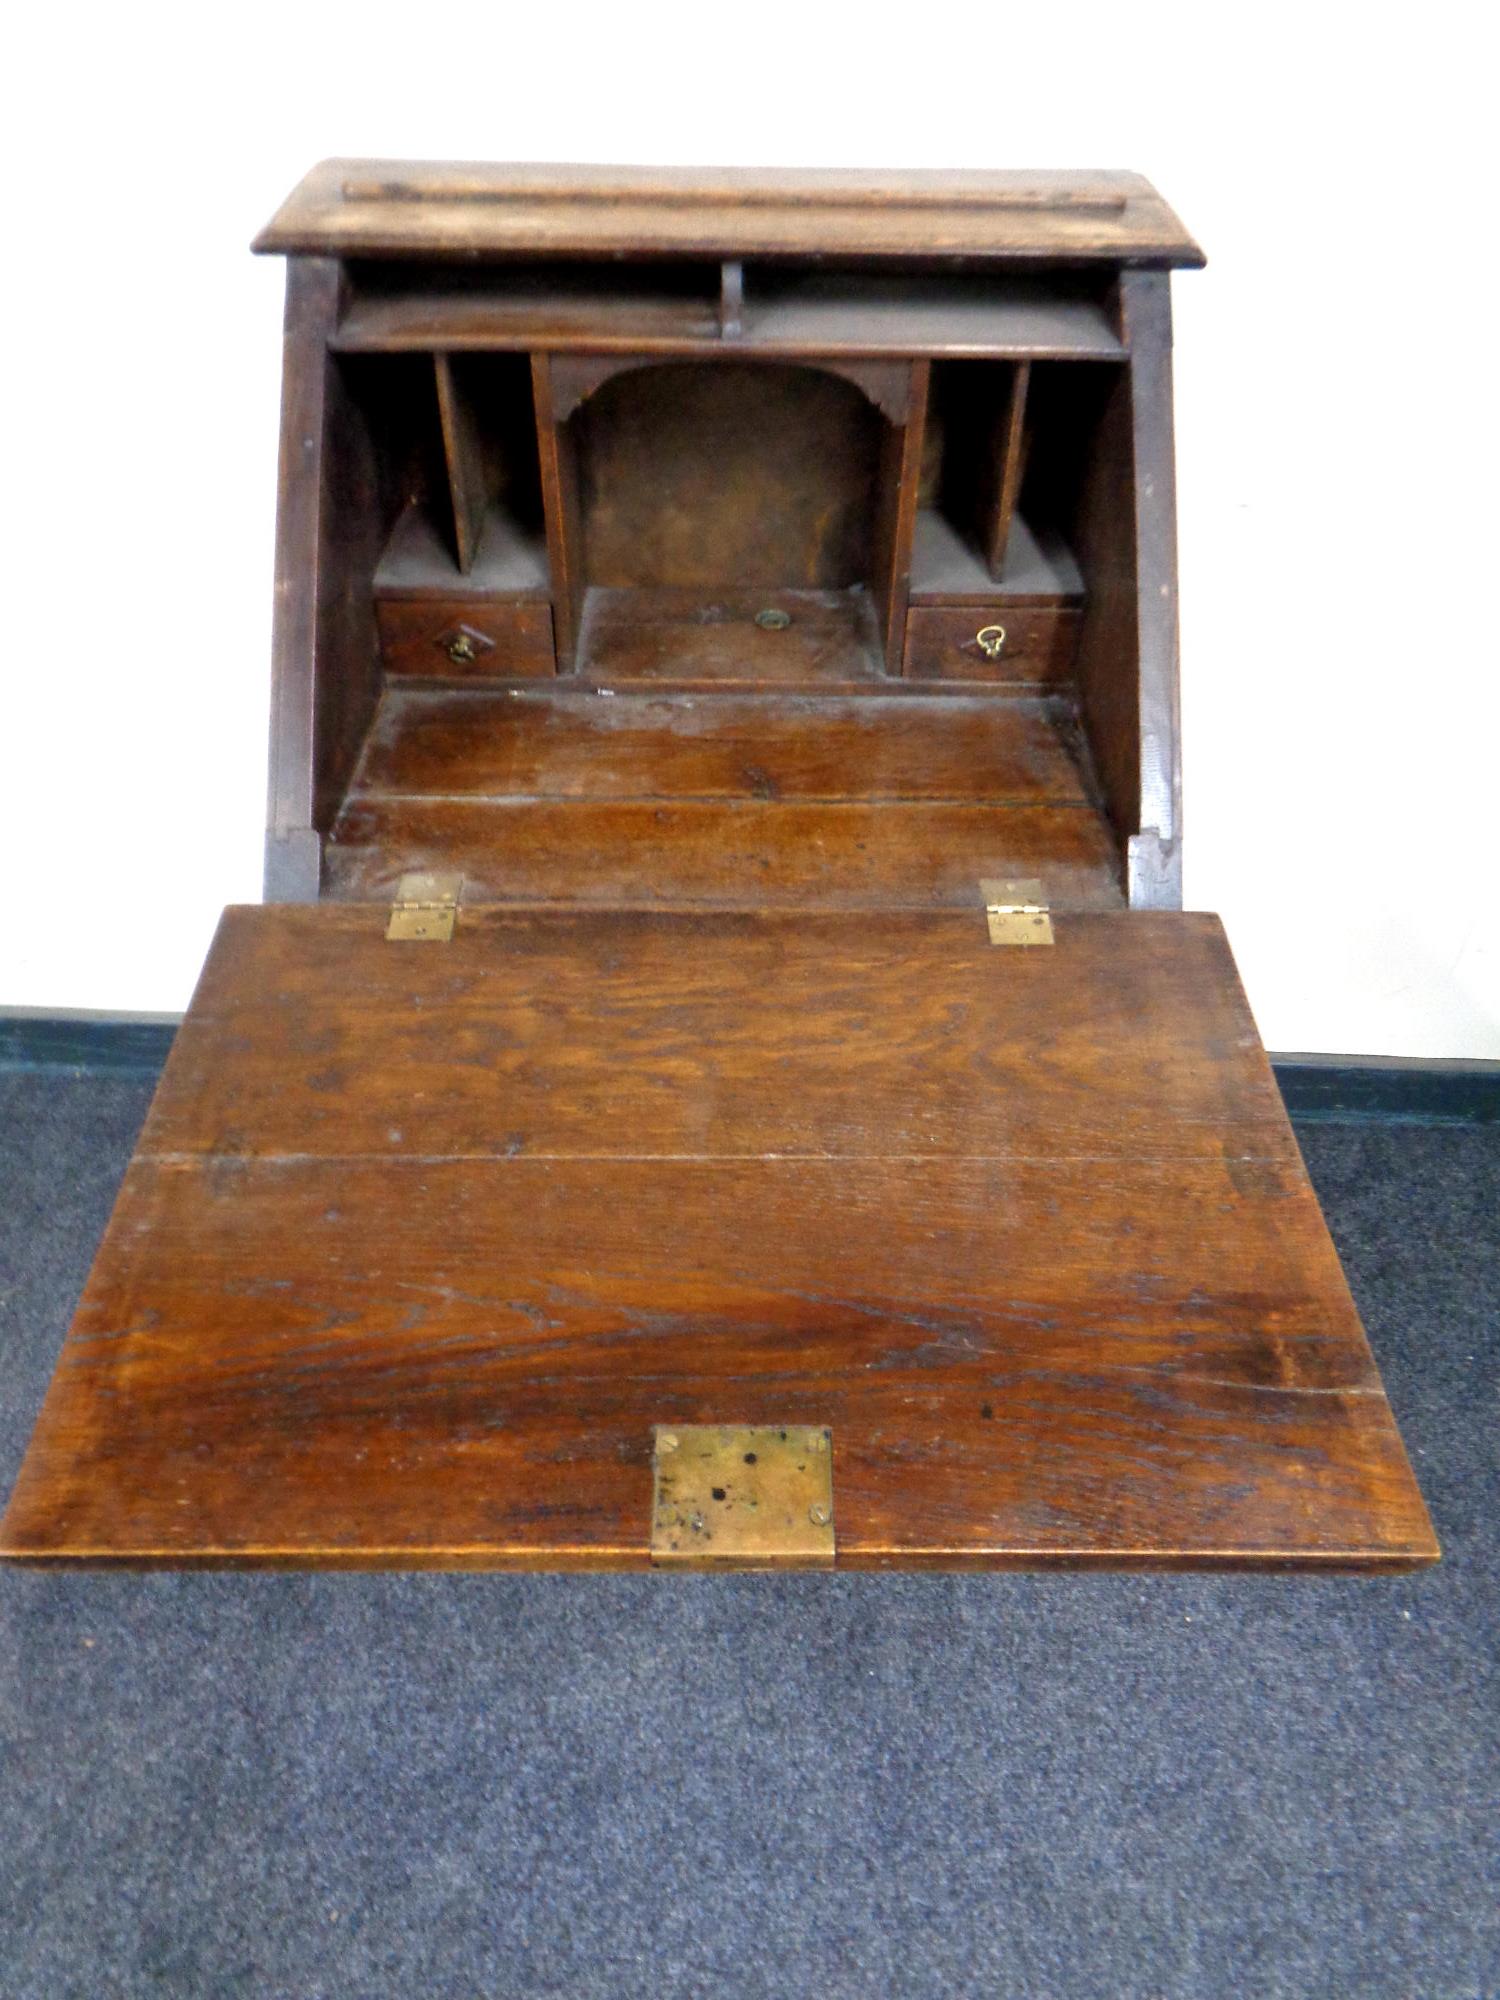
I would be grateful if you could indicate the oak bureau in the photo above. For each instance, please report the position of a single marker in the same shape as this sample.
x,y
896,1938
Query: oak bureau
x,y
722,1075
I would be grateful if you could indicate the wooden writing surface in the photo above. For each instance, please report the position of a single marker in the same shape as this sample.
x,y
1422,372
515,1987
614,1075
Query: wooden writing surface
x,y
422,1241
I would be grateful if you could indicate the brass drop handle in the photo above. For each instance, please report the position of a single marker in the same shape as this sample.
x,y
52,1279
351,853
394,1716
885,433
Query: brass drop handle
x,y
989,639
461,650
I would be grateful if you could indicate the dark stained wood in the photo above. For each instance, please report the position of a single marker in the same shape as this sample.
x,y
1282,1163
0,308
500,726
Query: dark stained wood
x,y
1029,1230
1102,531
896,516
329,530
558,458
731,476
362,208
529,309
736,854
460,637
1040,644
1122,527
980,414
464,452
618,310
709,449
738,469
576,377
711,639
720,1105
610,1033
565,743
311,307
999,512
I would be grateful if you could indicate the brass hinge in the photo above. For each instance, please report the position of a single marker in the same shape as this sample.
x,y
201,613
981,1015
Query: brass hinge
x,y
743,1496
425,909
1018,912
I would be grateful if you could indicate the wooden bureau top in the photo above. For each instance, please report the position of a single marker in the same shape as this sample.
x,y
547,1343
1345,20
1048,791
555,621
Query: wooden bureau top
x,y
436,209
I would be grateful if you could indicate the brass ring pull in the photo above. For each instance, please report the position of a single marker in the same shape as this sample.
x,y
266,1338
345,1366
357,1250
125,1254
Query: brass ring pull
x,y
461,650
989,639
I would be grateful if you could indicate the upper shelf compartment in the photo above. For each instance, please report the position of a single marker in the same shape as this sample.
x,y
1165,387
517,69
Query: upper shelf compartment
x,y
940,314
692,308
389,308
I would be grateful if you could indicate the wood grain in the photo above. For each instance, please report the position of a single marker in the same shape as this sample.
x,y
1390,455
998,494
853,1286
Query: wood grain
x,y
735,854
329,529
710,639
463,453
896,515
604,1033
507,640
408,208
730,476
1054,1314
623,313
566,743
1010,454
557,453
1040,644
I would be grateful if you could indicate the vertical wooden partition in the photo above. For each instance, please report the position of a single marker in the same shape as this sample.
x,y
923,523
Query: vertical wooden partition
x,y
463,452
558,452
896,513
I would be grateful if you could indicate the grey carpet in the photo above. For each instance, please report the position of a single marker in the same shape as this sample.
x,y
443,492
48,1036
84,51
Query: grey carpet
x,y
1054,1788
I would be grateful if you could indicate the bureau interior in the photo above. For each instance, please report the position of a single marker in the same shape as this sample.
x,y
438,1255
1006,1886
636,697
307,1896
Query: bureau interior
x,y
729,522
842,577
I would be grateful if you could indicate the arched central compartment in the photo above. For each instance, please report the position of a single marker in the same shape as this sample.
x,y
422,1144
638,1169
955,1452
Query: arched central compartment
x,y
727,515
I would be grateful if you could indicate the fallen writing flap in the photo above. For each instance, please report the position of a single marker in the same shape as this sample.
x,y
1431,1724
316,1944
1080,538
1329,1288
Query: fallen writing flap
x,y
425,1243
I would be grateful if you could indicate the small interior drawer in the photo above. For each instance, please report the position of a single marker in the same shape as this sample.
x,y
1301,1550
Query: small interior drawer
x,y
453,636
990,643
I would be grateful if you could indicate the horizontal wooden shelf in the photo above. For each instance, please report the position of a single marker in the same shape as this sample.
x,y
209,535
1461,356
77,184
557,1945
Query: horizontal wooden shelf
x,y
525,315
971,314
560,743
617,309
724,799
711,638
723,854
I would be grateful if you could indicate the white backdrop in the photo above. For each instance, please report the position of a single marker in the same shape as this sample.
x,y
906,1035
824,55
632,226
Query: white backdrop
x,y
1336,429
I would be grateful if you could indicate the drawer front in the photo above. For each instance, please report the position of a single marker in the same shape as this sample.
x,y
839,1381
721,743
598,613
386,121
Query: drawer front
x,y
990,643
448,636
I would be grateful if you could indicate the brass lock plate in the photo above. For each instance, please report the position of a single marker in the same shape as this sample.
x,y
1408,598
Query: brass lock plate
x,y
742,1496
